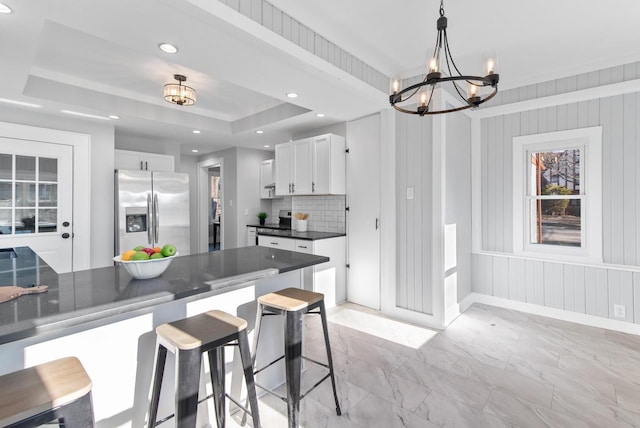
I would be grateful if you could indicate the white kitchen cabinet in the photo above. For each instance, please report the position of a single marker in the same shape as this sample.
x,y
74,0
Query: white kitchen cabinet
x,y
252,234
131,160
276,242
328,278
313,166
329,165
267,179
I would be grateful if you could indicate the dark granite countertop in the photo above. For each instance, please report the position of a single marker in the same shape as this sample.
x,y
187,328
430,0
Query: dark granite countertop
x,y
309,235
78,297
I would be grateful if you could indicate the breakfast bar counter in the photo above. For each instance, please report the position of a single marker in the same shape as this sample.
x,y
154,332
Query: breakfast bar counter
x,y
107,319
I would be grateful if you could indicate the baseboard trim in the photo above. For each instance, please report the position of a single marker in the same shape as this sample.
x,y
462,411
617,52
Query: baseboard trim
x,y
584,319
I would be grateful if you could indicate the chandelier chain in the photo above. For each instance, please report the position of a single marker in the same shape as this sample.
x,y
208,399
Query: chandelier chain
x,y
441,7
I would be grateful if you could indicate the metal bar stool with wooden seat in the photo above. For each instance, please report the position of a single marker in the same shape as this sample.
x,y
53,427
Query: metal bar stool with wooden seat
x,y
293,303
188,339
58,390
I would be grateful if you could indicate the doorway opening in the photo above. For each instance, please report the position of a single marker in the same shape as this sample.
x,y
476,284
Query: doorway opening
x,y
215,208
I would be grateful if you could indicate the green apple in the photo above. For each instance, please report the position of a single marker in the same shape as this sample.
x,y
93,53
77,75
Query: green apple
x,y
140,255
139,248
156,256
168,250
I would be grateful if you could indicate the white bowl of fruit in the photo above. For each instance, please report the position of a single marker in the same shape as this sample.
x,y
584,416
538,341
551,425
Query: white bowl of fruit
x,y
144,262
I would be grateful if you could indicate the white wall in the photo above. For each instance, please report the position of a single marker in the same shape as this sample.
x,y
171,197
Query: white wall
x,y
248,190
102,157
577,287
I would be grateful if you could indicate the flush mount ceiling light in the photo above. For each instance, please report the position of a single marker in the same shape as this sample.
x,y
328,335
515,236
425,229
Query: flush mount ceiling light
x,y
168,48
178,93
196,131
266,146
194,150
292,95
259,131
4,8
435,76
320,115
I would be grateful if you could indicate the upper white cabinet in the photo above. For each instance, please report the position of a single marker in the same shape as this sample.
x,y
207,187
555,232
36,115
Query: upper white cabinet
x,y
127,159
267,179
313,166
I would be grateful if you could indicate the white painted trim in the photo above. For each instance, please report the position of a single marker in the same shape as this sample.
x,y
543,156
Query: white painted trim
x,y
81,144
604,91
591,140
438,171
388,282
202,179
582,263
584,319
414,317
476,184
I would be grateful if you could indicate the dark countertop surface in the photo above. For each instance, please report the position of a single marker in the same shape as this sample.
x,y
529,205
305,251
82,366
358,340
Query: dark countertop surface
x,y
78,297
273,230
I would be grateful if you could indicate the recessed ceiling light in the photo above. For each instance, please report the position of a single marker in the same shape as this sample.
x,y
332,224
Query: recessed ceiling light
x,y
19,103
266,146
77,113
259,131
195,131
319,114
168,48
114,116
194,150
292,95
4,8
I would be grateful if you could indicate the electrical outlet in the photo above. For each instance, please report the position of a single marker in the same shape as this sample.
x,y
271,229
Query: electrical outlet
x,y
619,311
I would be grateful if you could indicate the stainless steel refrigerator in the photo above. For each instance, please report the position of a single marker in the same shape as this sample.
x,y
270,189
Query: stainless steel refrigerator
x,y
151,209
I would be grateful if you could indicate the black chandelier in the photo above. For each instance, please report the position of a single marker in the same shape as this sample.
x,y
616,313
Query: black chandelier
x,y
427,86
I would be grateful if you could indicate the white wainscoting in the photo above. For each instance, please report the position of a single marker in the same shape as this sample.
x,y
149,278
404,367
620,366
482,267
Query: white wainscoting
x,y
579,288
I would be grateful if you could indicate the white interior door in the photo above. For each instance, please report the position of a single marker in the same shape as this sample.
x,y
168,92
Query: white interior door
x,y
36,199
363,199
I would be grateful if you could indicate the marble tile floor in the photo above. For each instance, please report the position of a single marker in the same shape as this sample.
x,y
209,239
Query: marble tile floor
x,y
491,367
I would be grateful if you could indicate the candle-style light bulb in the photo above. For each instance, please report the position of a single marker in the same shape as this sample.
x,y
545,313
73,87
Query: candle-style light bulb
x,y
491,66
433,65
395,86
422,100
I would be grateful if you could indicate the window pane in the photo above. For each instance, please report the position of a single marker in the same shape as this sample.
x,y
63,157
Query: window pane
x,y
47,220
25,221
6,198
5,222
556,222
5,167
25,168
25,195
48,169
48,194
555,172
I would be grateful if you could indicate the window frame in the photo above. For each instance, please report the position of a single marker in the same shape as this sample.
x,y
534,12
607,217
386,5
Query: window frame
x,y
589,141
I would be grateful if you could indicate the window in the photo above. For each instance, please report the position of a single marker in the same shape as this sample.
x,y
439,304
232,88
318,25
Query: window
x,y
22,208
558,194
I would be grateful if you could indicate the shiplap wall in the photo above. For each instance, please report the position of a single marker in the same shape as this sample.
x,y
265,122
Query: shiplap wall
x,y
414,160
620,120
571,287
414,219
269,16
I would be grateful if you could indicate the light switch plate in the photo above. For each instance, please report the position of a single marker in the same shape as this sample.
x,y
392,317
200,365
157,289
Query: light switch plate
x,y
246,211
409,192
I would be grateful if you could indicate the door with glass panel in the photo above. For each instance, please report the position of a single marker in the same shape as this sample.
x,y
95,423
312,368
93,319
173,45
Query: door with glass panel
x,y
36,194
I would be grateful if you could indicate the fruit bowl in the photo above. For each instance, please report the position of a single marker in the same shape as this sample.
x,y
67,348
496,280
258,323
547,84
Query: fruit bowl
x,y
145,269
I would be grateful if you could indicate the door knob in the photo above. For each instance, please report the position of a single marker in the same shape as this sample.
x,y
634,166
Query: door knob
x,y
65,235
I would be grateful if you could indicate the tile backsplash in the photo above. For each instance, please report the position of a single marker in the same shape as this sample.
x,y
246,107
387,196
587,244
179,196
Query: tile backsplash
x,y
326,213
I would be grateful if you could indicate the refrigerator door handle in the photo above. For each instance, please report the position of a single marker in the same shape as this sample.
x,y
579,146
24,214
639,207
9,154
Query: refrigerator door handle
x,y
149,220
156,219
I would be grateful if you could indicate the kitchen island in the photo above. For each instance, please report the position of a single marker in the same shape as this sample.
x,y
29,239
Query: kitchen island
x,y
108,319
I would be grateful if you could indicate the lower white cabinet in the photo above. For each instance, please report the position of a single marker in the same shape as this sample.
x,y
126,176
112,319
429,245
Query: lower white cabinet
x,y
276,242
328,278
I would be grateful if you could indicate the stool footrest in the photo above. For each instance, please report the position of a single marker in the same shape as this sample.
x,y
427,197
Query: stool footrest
x,y
268,365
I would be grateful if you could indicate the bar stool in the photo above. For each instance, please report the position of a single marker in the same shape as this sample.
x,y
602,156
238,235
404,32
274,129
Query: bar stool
x,y
188,339
293,303
57,390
